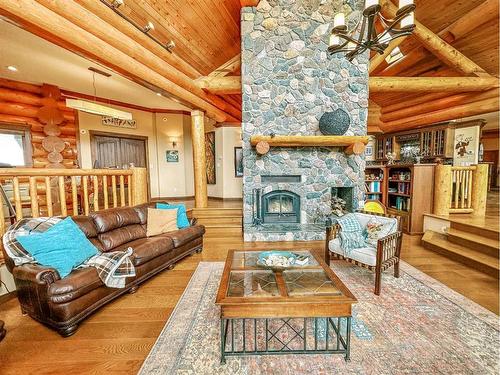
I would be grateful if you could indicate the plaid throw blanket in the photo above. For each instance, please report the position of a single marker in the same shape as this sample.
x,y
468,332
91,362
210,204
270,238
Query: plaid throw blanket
x,y
351,233
113,268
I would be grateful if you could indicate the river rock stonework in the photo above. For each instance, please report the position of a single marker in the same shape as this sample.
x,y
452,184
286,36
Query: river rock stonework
x,y
289,81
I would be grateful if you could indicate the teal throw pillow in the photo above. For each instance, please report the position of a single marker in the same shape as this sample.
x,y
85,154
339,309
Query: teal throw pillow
x,y
63,247
182,219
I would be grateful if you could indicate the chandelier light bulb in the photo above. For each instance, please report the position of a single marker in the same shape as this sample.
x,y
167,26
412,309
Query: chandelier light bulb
x,y
408,21
334,40
339,20
370,3
403,3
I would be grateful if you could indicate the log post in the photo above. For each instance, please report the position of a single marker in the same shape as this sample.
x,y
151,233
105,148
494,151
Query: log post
x,y
442,190
480,190
139,182
199,159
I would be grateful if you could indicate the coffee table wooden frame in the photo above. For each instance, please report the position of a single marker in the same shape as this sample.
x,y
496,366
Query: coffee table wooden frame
x,y
332,310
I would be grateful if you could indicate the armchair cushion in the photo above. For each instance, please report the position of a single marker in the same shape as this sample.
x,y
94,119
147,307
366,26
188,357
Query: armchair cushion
x,y
366,255
376,227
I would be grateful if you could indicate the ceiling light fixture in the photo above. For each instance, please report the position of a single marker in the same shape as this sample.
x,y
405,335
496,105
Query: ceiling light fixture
x,y
344,40
159,94
12,68
96,108
116,3
150,26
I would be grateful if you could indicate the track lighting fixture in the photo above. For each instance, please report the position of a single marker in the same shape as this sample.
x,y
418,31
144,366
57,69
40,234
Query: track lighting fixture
x,y
170,46
116,3
150,26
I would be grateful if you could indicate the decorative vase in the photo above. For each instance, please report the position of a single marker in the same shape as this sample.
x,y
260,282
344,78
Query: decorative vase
x,y
334,123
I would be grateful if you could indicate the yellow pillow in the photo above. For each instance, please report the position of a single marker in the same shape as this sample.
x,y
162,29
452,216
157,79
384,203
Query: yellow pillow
x,y
161,221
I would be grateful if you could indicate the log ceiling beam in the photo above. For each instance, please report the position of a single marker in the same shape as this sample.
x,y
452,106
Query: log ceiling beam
x,y
431,84
228,67
55,27
437,46
232,84
221,85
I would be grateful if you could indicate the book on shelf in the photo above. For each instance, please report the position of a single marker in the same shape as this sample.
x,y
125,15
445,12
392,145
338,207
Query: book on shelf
x,y
402,204
373,187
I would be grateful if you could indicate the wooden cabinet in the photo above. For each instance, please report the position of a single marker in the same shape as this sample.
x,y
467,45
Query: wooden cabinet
x,y
410,190
384,145
436,141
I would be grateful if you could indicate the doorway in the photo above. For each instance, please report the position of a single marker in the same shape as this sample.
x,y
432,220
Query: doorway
x,y
118,151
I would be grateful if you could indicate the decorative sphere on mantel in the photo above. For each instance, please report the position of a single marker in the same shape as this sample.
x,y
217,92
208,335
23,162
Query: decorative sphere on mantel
x,y
334,123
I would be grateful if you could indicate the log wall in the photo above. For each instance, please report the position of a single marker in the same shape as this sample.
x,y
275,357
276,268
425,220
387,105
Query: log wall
x,y
20,104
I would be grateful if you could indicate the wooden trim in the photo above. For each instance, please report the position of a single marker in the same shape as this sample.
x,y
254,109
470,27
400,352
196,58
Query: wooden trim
x,y
25,129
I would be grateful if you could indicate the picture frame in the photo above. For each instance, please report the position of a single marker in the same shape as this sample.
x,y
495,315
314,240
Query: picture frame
x,y
172,156
238,162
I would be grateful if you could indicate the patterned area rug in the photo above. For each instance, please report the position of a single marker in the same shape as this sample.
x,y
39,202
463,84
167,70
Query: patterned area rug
x,y
417,326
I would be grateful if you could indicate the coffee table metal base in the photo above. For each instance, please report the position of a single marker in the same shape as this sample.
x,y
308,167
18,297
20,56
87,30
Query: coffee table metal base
x,y
264,336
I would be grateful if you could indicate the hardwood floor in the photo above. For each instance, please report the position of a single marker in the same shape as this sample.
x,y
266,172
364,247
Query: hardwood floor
x,y
118,337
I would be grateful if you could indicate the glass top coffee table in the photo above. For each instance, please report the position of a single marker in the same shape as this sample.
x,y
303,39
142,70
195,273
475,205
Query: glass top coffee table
x,y
301,309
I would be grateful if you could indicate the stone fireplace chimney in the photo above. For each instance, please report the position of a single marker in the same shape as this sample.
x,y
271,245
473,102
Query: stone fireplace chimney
x,y
289,81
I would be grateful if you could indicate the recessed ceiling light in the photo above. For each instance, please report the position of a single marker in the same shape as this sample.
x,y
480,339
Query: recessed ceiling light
x,y
150,26
159,94
116,3
12,68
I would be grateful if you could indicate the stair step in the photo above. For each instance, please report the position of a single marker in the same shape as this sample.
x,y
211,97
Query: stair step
x,y
223,231
226,220
490,233
476,259
216,212
474,241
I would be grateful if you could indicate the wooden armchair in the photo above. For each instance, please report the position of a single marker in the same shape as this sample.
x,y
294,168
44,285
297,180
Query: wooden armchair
x,y
385,255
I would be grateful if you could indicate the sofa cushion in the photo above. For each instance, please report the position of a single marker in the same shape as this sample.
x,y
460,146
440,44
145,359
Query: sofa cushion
x,y
146,249
122,235
86,224
63,246
182,219
114,218
365,255
78,283
183,236
161,221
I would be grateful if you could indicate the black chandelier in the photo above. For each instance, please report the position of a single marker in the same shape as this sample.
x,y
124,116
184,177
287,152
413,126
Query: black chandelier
x,y
343,40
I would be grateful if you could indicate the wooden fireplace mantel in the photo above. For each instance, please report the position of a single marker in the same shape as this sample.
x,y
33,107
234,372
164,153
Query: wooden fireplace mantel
x,y
353,144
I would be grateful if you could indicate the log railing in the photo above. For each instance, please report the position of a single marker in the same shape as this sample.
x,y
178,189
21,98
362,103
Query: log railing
x,y
34,192
460,190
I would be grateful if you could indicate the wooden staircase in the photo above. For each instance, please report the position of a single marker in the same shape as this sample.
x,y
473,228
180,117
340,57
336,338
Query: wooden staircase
x,y
220,222
474,246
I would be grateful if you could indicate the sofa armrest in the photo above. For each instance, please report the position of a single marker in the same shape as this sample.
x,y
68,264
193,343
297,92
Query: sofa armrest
x,y
36,274
389,246
193,221
332,229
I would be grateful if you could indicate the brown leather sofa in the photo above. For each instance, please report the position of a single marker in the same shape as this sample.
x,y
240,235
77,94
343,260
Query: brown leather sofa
x,y
63,303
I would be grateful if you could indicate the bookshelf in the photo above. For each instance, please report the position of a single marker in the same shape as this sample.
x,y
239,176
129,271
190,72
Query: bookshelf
x,y
410,194
375,183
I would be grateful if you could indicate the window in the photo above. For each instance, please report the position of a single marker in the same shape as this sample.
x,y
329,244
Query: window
x,y
15,146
